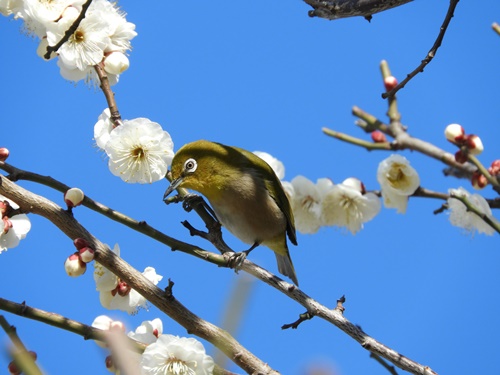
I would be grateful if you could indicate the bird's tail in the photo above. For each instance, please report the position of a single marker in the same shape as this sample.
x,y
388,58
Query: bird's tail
x,y
285,266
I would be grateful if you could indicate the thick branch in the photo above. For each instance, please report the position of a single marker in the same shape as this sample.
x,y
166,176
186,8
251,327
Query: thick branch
x,y
33,203
335,9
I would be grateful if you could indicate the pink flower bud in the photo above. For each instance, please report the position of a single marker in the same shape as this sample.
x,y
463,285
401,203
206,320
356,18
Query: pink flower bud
x,y
4,153
13,369
455,133
74,266
494,169
80,243
156,333
390,83
73,197
86,254
123,289
116,325
378,136
474,144
4,208
460,157
110,364
478,180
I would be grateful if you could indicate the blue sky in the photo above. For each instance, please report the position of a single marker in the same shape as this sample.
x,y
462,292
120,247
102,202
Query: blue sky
x,y
264,76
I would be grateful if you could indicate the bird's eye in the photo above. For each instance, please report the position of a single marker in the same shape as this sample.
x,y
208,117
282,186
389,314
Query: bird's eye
x,y
190,165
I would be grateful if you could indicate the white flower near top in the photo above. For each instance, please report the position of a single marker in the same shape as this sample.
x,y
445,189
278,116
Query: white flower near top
x,y
277,166
86,46
115,294
139,151
12,229
398,180
461,217
173,355
148,332
347,205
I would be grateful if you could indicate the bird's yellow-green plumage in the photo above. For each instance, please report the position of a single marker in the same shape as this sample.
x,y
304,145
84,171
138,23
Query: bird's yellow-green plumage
x,y
244,192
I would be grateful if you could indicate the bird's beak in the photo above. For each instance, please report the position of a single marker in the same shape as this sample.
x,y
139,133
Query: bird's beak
x,y
173,185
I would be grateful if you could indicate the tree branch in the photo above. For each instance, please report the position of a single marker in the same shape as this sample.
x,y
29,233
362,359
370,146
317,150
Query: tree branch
x,y
335,9
36,204
430,55
30,202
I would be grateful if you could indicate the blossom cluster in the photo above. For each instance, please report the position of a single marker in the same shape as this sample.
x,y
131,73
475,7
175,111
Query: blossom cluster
x,y
164,353
346,205
116,294
13,228
103,36
139,150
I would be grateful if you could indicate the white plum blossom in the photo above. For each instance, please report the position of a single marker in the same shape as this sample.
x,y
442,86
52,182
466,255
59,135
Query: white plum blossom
x,y
105,323
398,180
461,217
305,199
277,166
104,31
115,294
347,205
173,355
148,332
139,151
86,46
12,229
103,128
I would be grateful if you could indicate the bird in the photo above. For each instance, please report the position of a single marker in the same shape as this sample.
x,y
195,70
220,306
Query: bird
x,y
246,195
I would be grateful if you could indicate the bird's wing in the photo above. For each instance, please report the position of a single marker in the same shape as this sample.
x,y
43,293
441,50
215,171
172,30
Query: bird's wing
x,y
277,193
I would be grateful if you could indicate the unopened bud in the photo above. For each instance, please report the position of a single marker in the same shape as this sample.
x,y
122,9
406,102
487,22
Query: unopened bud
x,y
116,63
73,197
74,266
460,157
110,364
494,169
390,83
123,289
13,369
86,254
378,136
478,180
4,153
474,144
80,243
455,133
116,325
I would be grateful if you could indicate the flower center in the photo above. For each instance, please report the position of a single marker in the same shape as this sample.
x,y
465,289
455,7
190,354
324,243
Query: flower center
x,y
78,36
397,177
138,153
175,366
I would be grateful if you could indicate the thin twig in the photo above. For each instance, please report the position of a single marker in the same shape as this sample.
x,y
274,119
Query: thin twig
x,y
108,94
430,54
22,358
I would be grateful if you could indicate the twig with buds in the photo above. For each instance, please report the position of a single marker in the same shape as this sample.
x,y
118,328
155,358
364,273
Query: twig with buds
x,y
430,55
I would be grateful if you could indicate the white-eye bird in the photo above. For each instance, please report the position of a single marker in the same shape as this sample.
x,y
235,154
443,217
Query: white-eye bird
x,y
244,192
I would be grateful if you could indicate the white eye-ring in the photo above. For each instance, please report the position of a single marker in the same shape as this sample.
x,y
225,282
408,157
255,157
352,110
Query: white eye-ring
x,y
190,165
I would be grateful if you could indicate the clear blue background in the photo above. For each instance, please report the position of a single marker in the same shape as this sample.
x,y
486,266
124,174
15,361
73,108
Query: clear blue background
x,y
262,75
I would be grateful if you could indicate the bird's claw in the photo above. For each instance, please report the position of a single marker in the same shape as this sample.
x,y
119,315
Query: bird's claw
x,y
236,260
189,200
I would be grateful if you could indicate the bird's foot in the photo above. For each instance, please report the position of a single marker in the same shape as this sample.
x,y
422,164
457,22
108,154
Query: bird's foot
x,y
236,260
190,200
